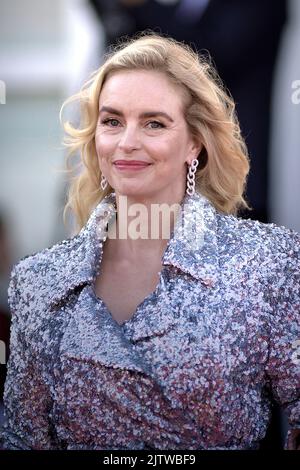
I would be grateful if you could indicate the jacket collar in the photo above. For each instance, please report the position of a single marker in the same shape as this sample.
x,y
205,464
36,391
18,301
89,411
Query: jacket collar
x,y
192,247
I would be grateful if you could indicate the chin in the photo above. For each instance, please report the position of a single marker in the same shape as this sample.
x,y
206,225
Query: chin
x,y
131,190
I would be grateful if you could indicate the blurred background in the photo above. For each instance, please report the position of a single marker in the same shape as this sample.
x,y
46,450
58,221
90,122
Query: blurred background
x,y
49,48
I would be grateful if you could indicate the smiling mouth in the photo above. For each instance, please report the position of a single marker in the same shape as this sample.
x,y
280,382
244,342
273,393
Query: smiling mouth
x,y
132,166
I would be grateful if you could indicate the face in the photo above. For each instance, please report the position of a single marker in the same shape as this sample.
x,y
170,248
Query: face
x,y
142,139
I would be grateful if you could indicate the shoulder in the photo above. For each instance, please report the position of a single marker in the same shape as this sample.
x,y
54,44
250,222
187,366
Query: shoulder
x,y
268,255
266,238
270,251
46,258
37,271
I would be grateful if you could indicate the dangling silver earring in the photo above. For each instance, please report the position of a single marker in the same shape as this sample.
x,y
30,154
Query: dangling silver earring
x,y
103,183
191,177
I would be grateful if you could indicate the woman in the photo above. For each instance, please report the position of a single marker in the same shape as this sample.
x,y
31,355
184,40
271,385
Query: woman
x,y
149,332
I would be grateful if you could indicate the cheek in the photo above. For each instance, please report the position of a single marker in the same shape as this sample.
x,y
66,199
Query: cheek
x,y
172,154
104,145
174,145
163,149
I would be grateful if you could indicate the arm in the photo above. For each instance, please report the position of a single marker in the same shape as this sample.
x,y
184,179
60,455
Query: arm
x,y
283,368
27,399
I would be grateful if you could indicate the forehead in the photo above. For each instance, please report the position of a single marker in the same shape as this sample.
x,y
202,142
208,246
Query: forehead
x,y
141,87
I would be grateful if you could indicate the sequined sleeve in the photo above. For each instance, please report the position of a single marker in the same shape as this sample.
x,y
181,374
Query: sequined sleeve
x,y
26,396
283,366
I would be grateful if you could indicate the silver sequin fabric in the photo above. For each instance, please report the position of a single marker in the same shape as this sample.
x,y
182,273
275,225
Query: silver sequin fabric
x,y
197,365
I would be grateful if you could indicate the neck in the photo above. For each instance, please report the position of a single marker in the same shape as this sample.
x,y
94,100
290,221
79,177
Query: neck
x,y
143,226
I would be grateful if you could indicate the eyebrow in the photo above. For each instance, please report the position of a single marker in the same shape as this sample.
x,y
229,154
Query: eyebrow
x,y
146,114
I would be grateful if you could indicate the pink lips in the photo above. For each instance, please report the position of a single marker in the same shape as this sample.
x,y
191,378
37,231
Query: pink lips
x,y
130,164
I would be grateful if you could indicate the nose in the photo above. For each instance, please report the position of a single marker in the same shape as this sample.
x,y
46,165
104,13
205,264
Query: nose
x,y
130,139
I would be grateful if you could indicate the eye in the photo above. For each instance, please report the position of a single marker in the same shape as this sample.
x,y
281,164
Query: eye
x,y
111,122
157,125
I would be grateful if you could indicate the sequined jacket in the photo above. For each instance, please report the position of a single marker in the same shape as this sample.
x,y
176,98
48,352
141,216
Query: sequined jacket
x,y
195,367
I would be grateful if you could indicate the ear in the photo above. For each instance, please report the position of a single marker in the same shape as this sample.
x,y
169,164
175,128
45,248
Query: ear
x,y
195,149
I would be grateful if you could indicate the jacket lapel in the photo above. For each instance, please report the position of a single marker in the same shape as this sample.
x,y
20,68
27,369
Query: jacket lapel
x,y
81,255
192,249
155,316
93,336
194,246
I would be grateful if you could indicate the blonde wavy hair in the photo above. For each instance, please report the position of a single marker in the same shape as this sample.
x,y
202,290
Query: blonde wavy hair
x,y
209,112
